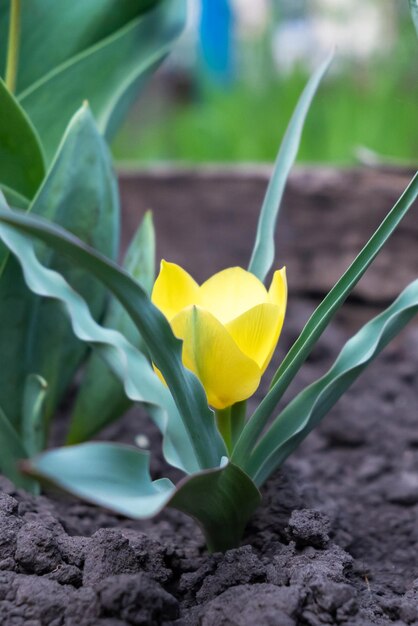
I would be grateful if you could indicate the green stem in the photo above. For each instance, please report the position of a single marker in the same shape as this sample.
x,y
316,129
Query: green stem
x,y
238,417
223,420
13,46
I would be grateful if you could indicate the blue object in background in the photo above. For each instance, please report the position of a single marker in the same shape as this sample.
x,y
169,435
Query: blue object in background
x,y
216,26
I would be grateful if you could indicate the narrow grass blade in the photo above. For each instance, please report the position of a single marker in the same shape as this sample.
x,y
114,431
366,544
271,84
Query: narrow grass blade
x,y
311,405
165,349
320,320
263,254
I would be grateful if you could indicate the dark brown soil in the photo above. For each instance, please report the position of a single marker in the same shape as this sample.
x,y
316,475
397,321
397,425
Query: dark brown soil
x,y
334,542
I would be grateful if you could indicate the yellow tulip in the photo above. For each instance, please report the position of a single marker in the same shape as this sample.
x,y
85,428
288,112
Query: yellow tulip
x,y
230,326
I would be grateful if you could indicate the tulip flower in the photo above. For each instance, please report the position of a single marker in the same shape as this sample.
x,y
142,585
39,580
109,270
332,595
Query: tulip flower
x,y
230,326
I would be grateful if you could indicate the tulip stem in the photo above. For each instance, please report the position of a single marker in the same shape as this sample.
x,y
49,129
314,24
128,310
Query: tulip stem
x,y
223,420
238,417
13,46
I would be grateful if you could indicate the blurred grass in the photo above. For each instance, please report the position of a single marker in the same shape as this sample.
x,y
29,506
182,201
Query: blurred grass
x,y
373,105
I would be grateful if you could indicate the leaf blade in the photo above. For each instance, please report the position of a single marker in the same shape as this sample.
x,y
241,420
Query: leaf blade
x,y
296,421
117,477
12,451
21,159
164,347
262,257
80,193
319,321
101,397
127,54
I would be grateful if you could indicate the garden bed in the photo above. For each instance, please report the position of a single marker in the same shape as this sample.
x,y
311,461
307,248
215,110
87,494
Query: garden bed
x,y
335,541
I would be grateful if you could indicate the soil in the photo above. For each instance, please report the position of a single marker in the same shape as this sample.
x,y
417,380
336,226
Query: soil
x,y
334,542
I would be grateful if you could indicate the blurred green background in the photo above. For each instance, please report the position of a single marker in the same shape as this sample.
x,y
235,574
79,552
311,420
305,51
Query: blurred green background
x,y
193,114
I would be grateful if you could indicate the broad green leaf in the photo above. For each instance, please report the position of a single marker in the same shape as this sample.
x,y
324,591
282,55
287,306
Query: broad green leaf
x,y
54,31
140,382
320,320
21,160
222,501
163,346
414,11
101,398
80,193
13,451
107,73
112,475
34,427
117,477
263,254
313,403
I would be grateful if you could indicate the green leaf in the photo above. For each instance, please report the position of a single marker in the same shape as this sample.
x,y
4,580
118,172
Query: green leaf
x,y
164,347
15,199
101,398
108,73
320,320
54,32
222,501
13,451
263,254
34,427
117,477
311,405
80,193
414,11
21,160
111,475
140,382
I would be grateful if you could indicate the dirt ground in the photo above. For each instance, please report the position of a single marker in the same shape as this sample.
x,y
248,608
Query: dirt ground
x,y
336,538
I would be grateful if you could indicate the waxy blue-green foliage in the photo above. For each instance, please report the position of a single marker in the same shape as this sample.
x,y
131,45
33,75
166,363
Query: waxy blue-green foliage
x,y
97,50
54,163
220,493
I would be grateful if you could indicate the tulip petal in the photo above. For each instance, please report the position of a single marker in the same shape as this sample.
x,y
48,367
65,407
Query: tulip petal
x,y
226,373
257,331
231,292
278,289
174,290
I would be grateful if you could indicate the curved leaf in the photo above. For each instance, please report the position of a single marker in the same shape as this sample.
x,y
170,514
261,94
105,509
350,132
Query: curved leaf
x,y
12,451
164,347
263,254
14,198
133,369
222,501
21,160
319,320
34,424
117,477
313,403
101,398
104,73
54,32
80,193
111,475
